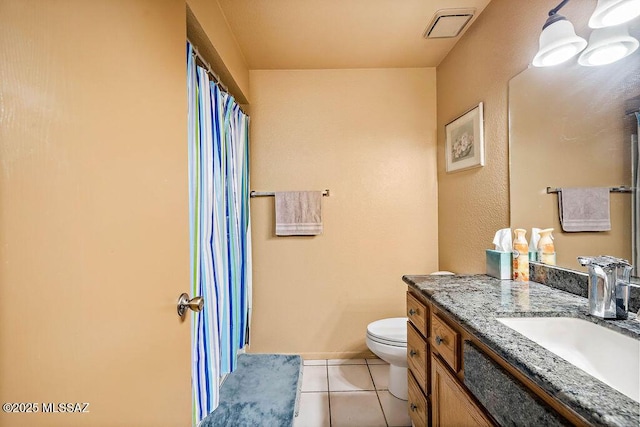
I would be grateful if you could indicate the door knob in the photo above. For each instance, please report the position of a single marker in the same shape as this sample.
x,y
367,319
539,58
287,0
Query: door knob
x,y
196,304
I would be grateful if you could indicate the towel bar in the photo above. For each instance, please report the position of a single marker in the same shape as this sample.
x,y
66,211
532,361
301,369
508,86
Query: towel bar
x,y
325,193
620,189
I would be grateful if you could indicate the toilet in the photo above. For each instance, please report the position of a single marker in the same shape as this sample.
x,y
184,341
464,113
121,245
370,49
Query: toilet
x,y
387,339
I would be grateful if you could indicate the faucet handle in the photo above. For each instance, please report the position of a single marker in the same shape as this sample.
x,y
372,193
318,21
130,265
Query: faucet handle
x,y
585,260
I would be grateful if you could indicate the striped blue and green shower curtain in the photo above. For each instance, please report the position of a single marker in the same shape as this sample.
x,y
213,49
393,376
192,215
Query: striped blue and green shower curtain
x,y
220,233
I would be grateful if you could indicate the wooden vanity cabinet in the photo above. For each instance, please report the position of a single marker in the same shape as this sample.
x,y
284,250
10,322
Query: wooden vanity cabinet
x,y
437,396
435,356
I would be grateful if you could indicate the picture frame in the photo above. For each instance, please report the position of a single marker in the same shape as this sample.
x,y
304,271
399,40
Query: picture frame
x,y
464,141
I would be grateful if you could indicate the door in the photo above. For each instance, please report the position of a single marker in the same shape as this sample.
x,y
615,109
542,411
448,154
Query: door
x,y
94,247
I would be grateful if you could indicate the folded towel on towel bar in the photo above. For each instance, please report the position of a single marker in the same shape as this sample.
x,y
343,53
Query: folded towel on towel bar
x,y
584,209
298,213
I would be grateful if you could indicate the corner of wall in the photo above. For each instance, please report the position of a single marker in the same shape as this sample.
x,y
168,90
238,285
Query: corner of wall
x,y
208,29
473,204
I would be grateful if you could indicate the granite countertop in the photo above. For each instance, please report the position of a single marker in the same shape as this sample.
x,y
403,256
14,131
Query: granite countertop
x,y
476,301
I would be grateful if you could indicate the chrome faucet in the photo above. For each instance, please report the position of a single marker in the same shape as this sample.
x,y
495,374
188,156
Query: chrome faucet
x,y
609,283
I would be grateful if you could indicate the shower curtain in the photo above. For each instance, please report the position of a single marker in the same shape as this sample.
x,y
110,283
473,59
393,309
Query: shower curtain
x,y
220,233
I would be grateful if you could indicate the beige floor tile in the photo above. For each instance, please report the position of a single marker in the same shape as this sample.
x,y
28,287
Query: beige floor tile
x,y
380,374
395,410
356,409
350,378
315,362
314,378
332,362
314,410
376,361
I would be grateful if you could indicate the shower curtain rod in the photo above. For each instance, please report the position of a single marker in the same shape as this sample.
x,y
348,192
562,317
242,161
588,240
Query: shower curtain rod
x,y
216,78
198,55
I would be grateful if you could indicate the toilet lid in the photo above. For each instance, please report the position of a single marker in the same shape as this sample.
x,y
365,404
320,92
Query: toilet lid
x,y
393,330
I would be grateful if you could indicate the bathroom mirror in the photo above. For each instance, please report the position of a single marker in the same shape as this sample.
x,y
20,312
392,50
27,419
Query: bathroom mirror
x,y
569,127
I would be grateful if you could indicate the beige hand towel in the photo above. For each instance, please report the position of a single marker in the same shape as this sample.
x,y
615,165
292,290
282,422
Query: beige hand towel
x,y
584,209
298,213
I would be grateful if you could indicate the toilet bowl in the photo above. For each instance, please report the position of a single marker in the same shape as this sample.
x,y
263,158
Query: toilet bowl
x,y
387,339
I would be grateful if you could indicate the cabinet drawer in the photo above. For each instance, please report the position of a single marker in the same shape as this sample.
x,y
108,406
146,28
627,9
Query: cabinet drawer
x,y
418,408
445,341
418,314
418,357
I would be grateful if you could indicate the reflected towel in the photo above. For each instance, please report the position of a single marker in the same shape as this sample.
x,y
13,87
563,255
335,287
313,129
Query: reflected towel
x,y
584,209
298,213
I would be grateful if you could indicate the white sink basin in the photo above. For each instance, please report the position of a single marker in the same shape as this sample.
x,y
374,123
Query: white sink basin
x,y
609,356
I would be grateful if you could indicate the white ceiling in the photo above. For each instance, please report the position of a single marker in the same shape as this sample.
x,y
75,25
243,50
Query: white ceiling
x,y
320,34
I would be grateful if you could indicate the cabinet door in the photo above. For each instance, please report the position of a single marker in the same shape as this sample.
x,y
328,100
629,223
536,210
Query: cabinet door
x,y
450,403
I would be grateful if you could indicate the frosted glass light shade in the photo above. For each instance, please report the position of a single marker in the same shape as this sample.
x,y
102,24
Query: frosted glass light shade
x,y
558,43
614,12
607,45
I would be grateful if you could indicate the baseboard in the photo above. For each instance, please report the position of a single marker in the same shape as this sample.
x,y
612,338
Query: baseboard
x,y
338,355
366,354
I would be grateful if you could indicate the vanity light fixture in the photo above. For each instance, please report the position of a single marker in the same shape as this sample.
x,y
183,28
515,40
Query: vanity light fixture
x,y
558,40
614,12
609,42
607,45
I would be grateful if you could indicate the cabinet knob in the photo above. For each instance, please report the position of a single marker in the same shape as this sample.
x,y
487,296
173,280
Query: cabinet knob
x,y
412,312
412,352
438,340
413,407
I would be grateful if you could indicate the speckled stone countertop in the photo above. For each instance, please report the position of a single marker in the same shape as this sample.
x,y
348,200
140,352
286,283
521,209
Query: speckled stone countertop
x,y
476,301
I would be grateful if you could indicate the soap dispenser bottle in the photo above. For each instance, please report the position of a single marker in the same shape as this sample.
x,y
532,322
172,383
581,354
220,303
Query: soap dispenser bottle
x,y
546,249
520,256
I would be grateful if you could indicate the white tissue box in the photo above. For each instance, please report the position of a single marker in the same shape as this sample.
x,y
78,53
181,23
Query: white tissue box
x,y
499,264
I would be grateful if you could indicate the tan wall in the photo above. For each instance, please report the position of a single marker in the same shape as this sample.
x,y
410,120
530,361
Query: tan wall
x,y
473,204
93,211
369,137
212,32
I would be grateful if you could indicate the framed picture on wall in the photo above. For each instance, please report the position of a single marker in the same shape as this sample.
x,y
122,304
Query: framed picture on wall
x,y
464,146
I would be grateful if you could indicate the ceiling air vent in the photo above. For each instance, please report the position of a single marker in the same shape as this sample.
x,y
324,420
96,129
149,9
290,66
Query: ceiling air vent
x,y
448,23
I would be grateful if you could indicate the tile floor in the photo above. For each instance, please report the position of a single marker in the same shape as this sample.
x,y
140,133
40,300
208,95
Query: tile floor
x,y
349,393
